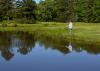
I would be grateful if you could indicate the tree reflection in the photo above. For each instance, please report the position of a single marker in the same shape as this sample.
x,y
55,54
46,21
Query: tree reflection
x,y
55,43
89,47
23,41
7,55
5,46
65,46
27,42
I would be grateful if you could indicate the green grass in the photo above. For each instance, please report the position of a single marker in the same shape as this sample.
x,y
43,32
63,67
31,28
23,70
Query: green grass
x,y
81,31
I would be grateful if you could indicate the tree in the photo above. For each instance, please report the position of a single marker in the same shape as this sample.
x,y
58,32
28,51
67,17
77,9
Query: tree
x,y
96,11
6,8
57,10
88,10
66,10
46,10
25,10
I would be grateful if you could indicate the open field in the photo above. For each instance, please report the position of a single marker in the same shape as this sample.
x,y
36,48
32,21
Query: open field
x,y
81,31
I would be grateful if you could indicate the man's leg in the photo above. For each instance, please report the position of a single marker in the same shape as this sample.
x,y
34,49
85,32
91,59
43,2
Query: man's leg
x,y
70,31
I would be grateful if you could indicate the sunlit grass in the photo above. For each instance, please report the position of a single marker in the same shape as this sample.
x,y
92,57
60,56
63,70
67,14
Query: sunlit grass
x,y
81,31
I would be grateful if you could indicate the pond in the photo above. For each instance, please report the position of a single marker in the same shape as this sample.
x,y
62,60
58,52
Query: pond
x,y
24,51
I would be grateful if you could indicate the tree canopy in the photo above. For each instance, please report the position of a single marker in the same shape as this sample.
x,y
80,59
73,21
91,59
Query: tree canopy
x,y
29,11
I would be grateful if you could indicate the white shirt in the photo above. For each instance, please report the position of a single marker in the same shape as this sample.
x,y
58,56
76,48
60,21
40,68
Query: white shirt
x,y
70,25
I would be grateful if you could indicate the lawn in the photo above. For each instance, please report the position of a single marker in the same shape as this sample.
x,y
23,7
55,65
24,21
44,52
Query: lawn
x,y
81,31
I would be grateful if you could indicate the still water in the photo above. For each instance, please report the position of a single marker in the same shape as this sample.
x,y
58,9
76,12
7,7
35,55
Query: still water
x,y
23,51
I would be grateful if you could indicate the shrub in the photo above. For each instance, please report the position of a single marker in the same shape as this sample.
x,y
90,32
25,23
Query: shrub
x,y
4,25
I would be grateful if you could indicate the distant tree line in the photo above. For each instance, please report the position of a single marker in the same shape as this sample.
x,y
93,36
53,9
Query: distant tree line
x,y
28,11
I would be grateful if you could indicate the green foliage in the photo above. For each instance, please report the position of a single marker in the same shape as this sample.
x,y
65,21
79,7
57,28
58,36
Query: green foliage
x,y
27,11
65,10
45,11
81,31
88,10
6,9
4,25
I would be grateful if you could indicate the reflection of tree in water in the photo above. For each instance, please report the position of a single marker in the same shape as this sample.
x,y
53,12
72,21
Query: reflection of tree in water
x,y
89,47
59,43
5,46
7,54
54,42
24,42
28,42
21,40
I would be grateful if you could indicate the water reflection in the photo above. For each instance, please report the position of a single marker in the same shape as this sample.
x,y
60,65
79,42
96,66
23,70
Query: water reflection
x,y
24,42
69,47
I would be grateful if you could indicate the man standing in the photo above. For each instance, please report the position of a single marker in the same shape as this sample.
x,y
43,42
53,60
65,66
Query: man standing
x,y
70,27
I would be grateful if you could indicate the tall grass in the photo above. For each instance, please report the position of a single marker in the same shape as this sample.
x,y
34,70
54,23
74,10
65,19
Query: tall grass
x,y
81,31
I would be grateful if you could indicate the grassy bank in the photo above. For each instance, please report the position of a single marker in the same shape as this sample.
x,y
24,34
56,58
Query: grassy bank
x,y
81,31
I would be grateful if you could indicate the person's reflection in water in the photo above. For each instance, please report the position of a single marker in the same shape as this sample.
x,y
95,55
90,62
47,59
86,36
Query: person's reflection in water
x,y
70,47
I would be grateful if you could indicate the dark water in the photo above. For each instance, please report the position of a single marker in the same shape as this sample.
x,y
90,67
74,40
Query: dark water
x,y
22,51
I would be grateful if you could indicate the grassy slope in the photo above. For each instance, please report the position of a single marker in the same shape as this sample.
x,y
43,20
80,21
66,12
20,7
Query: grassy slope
x,y
81,31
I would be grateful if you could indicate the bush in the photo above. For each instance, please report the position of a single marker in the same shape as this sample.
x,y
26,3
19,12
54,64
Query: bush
x,y
26,21
14,25
4,25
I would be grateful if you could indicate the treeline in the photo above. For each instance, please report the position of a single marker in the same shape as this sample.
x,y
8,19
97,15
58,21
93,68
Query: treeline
x,y
28,11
